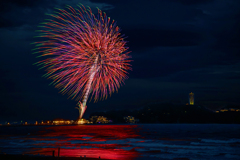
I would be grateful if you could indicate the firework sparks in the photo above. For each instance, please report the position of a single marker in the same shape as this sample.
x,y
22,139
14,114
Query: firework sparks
x,y
87,56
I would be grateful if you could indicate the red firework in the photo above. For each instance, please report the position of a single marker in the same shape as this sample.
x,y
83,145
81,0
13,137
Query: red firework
x,y
86,53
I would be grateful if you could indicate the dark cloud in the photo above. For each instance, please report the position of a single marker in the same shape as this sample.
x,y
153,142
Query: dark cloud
x,y
230,39
185,2
142,38
192,2
6,84
4,22
109,1
15,13
8,4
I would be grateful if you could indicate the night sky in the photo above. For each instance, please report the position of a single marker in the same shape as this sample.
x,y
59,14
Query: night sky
x,y
178,47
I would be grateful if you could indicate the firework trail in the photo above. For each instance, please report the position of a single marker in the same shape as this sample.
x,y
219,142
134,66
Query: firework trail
x,y
87,55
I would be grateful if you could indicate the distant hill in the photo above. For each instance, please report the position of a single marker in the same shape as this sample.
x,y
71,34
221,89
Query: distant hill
x,y
172,113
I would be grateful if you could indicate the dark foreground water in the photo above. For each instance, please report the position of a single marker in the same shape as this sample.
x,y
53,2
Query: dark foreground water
x,y
130,142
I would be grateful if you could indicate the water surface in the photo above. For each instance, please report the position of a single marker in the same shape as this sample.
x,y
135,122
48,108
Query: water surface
x,y
150,141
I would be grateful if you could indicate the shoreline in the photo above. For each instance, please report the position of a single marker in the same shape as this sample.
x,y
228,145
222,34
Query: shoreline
x,y
39,157
50,125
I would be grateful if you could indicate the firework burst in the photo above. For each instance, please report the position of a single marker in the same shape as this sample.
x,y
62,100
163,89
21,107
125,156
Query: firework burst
x,y
86,54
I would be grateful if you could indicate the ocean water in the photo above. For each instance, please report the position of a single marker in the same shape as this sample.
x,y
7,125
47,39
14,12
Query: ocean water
x,y
125,142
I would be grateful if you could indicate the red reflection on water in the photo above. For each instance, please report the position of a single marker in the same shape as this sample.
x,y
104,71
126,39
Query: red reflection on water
x,y
106,141
91,153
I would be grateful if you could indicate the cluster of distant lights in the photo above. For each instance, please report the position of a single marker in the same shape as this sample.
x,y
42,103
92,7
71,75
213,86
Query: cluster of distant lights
x,y
58,122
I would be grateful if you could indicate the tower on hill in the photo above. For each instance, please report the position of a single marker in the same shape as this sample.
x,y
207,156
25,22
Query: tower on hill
x,y
191,98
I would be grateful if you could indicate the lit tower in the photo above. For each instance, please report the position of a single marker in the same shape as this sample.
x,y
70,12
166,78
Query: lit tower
x,y
191,98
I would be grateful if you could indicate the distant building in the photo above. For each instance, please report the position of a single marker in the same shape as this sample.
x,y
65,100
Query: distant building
x,y
130,119
228,110
82,121
93,119
191,98
48,122
99,119
61,121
